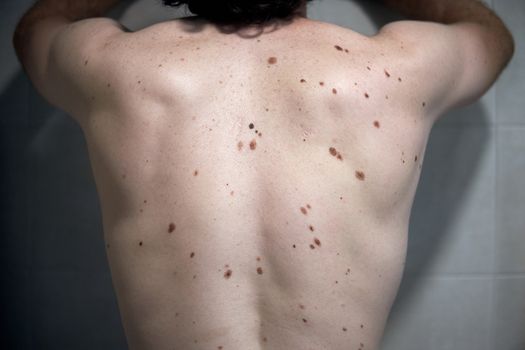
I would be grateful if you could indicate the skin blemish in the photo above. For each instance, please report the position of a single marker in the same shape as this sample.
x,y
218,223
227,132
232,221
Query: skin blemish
x,y
387,74
239,145
258,258
386,97
424,104
334,91
368,68
347,272
312,246
251,126
332,151
376,124
171,227
308,206
317,241
145,201
260,134
344,329
231,193
339,48
305,320
86,62
415,159
366,95
272,60
140,243
192,254
228,274
253,144
311,228
109,85
360,175
293,245
265,339
303,210
339,156
321,83
303,81
399,79
346,50
195,173
362,326
260,270
301,306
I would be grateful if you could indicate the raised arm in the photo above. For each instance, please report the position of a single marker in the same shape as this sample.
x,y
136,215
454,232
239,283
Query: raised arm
x,y
53,40
462,43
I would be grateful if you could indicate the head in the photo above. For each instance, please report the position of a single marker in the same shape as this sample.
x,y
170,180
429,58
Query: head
x,y
243,11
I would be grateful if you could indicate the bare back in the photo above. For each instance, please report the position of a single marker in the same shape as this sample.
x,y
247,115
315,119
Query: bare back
x,y
256,192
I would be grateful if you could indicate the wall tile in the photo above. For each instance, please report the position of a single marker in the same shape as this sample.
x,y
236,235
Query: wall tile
x,y
508,313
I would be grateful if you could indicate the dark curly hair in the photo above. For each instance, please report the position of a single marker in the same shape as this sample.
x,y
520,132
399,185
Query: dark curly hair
x,y
239,11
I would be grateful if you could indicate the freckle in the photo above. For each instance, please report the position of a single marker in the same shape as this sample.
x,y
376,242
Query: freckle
x,y
339,156
253,144
140,243
171,227
387,74
360,175
272,60
195,173
362,326
415,159
293,245
338,47
228,274
332,151
303,81
305,320
139,82
192,254
260,270
251,126
317,241
303,210
109,85
336,282
399,79
239,145
424,104
341,198
311,228
376,124
346,50
321,83
308,206
301,306
344,329
367,67
386,97
267,109
334,91
85,63
312,246
366,95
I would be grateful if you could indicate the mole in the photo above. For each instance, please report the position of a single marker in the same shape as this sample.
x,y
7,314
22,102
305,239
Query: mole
x,y
260,270
321,83
231,193
272,60
334,91
305,320
424,104
366,95
344,329
415,159
140,243
293,245
308,206
260,134
312,246
362,326
219,347
376,124
139,82
311,228
387,74
171,227
86,62
109,85
317,241
239,145
360,175
347,272
192,254
196,172
228,274
346,50
265,339
253,144
303,210
367,67
251,126
258,258
145,201
303,81
339,48
399,79
332,151
301,306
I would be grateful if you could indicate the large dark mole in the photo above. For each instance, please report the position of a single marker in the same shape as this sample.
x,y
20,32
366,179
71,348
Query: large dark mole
x,y
366,95
303,81
140,243
311,228
332,151
360,175
338,47
272,60
317,241
192,254
376,124
260,270
251,126
303,210
196,172
334,91
253,144
239,145
293,245
387,74
228,274
415,159
305,320
171,228
321,83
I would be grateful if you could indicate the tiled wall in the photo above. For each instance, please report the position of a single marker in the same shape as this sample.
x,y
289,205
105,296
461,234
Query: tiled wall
x,y
464,285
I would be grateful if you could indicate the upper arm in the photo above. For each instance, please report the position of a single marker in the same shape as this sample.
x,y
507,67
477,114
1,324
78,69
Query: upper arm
x,y
63,59
457,63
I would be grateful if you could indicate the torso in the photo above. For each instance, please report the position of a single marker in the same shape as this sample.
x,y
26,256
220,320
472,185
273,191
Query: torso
x,y
288,235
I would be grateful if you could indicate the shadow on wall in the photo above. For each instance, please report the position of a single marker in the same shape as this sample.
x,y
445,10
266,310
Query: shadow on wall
x,y
57,290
